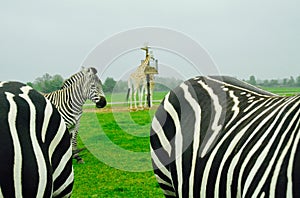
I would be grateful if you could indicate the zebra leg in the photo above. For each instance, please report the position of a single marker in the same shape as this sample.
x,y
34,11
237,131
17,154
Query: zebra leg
x,y
75,150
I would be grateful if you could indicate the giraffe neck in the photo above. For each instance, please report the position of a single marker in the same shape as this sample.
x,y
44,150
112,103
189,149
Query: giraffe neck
x,y
139,73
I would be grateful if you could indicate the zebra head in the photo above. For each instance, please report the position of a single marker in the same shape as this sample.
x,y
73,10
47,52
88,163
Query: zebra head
x,y
94,87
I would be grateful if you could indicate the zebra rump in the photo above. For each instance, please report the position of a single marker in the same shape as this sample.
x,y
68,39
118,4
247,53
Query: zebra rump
x,y
35,147
220,137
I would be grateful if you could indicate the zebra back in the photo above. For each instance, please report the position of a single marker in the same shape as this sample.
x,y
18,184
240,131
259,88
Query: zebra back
x,y
220,137
35,148
73,79
76,77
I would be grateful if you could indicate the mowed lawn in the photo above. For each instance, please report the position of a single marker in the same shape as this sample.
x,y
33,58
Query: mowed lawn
x,y
111,168
117,158
284,91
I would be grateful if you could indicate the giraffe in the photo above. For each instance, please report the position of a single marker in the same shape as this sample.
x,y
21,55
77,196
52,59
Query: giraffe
x,y
137,82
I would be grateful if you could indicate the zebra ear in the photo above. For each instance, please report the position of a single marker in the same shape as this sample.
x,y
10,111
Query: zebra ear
x,y
94,70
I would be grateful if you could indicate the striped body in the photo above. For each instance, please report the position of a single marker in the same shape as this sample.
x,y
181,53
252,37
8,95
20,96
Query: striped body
x,y
35,147
70,99
220,137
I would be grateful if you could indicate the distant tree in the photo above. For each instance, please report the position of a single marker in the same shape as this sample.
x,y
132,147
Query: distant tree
x,y
47,83
284,82
273,83
161,84
266,83
291,82
166,84
56,82
121,86
252,80
298,81
109,85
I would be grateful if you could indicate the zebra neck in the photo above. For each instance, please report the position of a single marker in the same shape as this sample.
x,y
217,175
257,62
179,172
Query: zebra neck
x,y
79,95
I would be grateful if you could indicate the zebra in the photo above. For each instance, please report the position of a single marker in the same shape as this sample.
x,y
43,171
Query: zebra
x,y
70,99
216,136
35,147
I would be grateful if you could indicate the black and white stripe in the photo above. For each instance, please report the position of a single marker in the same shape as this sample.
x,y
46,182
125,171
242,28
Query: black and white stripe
x,y
220,137
70,99
35,148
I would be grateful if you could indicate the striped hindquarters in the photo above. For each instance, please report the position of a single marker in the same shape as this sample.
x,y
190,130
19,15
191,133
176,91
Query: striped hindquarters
x,y
35,149
222,138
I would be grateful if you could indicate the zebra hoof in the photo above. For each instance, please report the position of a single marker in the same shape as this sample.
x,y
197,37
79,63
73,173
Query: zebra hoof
x,y
80,161
74,152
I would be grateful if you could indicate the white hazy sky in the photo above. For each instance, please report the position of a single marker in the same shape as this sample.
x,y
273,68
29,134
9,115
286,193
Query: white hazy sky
x,y
258,37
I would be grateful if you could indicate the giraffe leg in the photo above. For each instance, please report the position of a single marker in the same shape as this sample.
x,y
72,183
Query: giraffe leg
x,y
145,99
141,93
151,104
134,98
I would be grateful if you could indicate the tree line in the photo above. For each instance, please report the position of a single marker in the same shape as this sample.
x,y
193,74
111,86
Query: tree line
x,y
161,84
285,82
48,83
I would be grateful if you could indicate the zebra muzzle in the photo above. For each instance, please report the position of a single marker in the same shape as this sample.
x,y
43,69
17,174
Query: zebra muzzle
x,y
101,103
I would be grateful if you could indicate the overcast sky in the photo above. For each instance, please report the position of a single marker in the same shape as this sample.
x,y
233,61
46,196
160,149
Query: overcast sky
x,y
258,37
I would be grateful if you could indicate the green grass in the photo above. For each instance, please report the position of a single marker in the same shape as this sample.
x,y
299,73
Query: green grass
x,y
121,97
117,162
284,91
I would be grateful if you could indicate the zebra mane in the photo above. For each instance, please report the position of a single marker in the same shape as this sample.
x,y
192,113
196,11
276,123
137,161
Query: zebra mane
x,y
75,77
241,84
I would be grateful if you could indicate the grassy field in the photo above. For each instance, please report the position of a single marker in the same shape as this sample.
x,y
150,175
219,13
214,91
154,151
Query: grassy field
x,y
109,170
117,159
284,91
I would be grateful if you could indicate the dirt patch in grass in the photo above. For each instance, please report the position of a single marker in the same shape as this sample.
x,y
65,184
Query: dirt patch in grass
x,y
117,109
